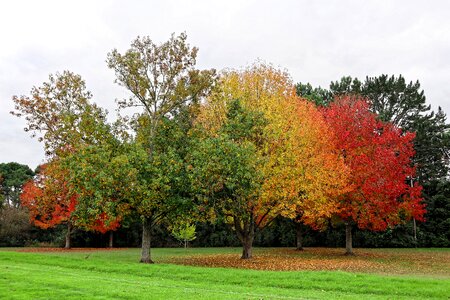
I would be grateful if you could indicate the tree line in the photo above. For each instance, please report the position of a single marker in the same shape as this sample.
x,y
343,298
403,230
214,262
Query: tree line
x,y
243,148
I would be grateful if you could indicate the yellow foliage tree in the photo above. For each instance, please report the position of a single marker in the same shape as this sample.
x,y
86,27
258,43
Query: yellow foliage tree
x,y
302,171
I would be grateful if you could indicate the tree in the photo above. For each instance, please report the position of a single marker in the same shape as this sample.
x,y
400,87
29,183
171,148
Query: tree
x,y
436,230
60,112
404,104
319,96
14,226
162,80
277,172
184,232
12,177
379,157
226,173
49,199
104,181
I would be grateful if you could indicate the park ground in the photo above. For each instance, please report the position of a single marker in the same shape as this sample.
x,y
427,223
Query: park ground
x,y
218,273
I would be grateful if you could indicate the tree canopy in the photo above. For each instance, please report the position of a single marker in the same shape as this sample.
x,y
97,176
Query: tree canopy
x,y
246,147
295,160
12,177
163,81
379,157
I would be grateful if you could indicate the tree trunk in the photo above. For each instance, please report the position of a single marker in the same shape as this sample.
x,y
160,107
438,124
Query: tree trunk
x,y
348,239
69,231
146,238
247,246
299,231
246,234
111,239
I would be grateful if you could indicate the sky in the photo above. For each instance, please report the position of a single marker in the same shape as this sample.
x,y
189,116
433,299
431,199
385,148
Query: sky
x,y
315,41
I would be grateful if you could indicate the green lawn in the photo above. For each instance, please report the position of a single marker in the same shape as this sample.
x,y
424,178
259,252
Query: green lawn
x,y
117,275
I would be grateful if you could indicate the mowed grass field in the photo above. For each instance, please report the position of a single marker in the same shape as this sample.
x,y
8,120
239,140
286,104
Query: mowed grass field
x,y
218,273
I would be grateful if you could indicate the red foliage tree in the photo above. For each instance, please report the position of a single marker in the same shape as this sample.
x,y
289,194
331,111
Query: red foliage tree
x,y
379,157
48,199
104,224
51,202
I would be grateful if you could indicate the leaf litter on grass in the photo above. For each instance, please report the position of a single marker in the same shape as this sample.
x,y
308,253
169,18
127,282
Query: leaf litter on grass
x,y
421,262
380,261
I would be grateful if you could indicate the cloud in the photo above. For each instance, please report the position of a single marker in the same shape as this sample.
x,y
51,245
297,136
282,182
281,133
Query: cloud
x,y
316,41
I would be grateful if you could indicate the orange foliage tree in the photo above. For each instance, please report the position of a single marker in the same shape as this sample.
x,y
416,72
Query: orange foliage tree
x,y
49,200
61,113
298,163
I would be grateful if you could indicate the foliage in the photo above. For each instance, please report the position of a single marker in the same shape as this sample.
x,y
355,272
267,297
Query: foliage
x,y
379,156
100,178
391,98
15,228
48,198
318,95
163,81
161,78
60,112
12,176
184,232
259,130
436,229
404,104
226,173
257,152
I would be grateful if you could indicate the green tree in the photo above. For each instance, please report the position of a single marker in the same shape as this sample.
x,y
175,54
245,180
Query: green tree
x,y
15,227
226,171
162,80
435,232
12,177
184,232
101,178
319,96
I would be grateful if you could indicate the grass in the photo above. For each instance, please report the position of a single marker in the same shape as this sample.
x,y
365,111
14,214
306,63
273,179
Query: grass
x,y
117,275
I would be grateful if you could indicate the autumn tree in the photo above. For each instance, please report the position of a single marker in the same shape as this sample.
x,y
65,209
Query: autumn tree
x,y
162,80
320,175
379,157
60,113
284,176
49,200
403,103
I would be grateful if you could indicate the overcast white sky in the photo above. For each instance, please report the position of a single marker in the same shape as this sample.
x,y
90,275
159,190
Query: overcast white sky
x,y
316,41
